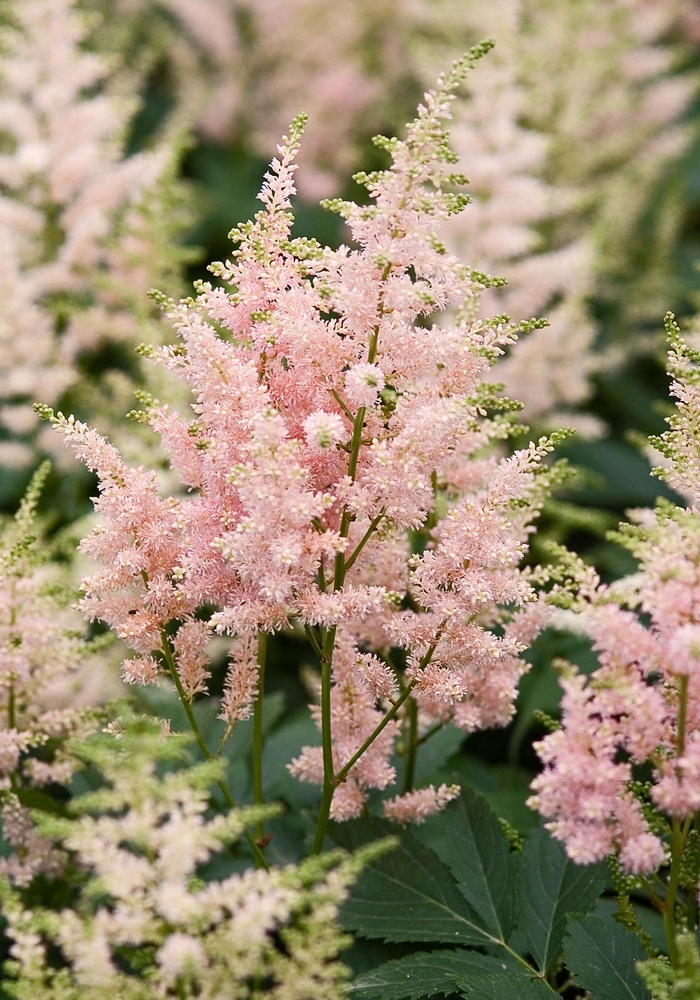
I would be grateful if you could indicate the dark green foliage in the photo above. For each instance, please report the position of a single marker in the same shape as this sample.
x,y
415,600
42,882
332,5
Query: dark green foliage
x,y
480,860
408,895
506,987
551,886
424,974
602,956
471,890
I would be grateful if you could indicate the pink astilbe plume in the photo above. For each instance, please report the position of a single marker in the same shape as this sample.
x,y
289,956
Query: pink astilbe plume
x,y
334,432
415,807
642,704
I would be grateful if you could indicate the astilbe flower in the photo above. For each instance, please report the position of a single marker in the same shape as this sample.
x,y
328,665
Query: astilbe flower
x,y
81,226
50,683
642,704
154,929
333,424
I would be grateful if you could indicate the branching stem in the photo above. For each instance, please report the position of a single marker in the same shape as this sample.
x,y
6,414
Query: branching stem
x,y
258,731
411,741
341,566
679,836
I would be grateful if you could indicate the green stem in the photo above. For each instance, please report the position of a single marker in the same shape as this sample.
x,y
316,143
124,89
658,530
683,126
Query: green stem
x,y
430,732
342,774
411,742
326,740
363,541
654,896
170,661
258,733
342,405
670,904
678,836
11,712
330,780
313,641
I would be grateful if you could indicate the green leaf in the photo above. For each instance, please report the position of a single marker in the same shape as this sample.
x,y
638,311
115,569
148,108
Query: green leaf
x,y
602,955
406,895
478,855
423,975
550,886
285,743
509,986
32,798
435,753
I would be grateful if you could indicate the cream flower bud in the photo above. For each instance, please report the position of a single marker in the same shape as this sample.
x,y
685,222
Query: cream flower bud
x,y
324,430
180,954
363,383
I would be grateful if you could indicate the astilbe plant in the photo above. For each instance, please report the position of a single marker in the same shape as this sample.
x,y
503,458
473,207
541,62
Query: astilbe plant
x,y
51,684
641,707
340,483
145,926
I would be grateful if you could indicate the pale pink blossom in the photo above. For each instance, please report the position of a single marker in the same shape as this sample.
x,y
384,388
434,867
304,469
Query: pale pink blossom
x,y
76,222
415,807
324,430
180,954
363,383
328,420
241,684
142,670
50,682
642,704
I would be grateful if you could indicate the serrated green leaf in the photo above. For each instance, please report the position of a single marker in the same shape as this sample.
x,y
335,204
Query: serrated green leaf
x,y
406,895
32,798
423,975
509,986
478,855
601,956
550,887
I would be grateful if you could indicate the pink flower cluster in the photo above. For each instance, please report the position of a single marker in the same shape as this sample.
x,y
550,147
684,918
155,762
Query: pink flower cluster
x,y
332,424
643,702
